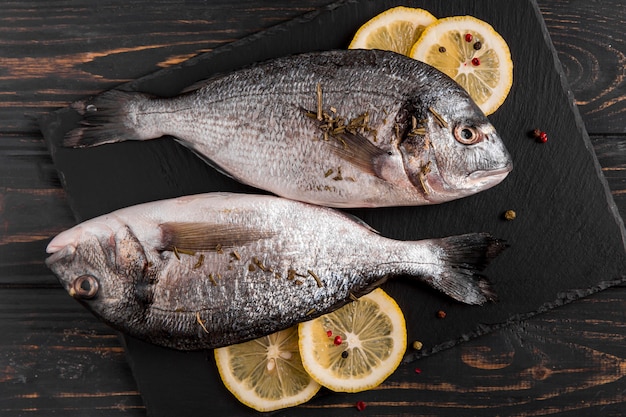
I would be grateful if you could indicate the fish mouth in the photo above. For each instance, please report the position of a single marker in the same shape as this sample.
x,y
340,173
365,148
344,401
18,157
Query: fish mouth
x,y
63,245
58,254
490,176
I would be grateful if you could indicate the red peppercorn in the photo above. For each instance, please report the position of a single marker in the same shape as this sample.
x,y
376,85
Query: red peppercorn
x,y
329,333
539,135
441,314
475,62
338,340
360,405
468,37
418,371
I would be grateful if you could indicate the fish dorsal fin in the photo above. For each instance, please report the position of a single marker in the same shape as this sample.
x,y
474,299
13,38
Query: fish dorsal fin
x,y
360,222
195,236
201,83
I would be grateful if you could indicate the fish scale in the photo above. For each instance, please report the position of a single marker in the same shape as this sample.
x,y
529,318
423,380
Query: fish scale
x,y
254,125
268,263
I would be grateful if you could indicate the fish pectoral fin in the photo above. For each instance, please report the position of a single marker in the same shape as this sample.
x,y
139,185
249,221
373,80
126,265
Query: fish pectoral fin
x,y
200,236
357,150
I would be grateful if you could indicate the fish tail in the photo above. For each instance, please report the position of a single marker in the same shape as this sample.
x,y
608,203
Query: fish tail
x,y
110,117
463,258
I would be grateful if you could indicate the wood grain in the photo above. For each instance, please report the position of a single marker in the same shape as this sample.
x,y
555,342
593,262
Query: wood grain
x,y
571,360
55,358
588,38
57,53
52,358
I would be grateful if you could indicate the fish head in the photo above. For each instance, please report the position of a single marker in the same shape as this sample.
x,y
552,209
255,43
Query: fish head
x,y
100,264
460,153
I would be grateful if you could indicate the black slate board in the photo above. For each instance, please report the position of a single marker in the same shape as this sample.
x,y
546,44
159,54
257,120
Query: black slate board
x,y
567,241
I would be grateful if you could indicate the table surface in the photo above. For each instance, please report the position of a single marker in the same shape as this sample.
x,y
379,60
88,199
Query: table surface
x,y
56,358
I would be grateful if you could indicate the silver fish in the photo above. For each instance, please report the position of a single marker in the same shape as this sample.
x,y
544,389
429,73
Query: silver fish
x,y
354,128
210,270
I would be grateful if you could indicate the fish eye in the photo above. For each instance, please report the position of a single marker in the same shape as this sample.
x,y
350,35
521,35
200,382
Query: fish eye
x,y
467,135
85,286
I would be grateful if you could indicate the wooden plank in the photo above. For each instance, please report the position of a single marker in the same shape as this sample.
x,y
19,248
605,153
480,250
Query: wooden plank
x,y
28,183
56,357
591,48
56,53
570,361
84,48
610,150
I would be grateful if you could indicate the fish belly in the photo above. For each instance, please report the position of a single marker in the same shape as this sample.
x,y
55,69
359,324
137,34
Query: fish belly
x,y
314,261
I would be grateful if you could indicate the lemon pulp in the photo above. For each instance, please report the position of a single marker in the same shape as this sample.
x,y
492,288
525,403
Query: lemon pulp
x,y
266,373
396,29
372,333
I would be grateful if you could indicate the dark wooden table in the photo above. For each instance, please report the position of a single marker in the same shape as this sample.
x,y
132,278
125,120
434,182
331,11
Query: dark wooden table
x,y
55,358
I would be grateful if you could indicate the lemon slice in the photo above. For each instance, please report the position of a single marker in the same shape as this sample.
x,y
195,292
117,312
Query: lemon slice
x,y
471,52
373,340
395,29
266,373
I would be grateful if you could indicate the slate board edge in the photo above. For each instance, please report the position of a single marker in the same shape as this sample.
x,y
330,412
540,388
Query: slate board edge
x,y
564,298
48,123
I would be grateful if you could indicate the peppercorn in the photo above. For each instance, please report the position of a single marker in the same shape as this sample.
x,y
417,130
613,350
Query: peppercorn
x,y
329,333
442,49
344,354
360,405
338,340
539,135
441,314
468,37
475,62
510,215
477,45
417,345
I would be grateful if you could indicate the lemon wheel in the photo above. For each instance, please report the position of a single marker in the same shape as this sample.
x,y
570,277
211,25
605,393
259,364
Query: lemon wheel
x,y
396,29
472,53
356,347
266,373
